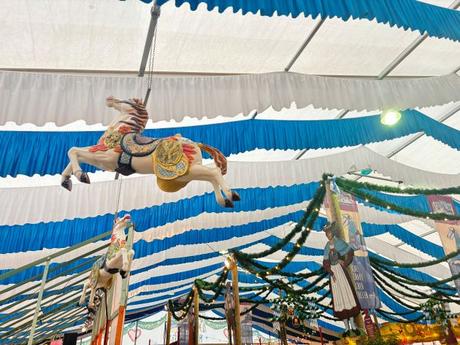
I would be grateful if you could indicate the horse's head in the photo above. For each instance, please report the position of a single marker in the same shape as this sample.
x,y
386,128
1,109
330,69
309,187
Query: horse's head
x,y
120,226
124,104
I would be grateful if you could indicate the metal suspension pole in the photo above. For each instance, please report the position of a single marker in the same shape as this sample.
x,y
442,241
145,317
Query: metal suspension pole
x,y
168,328
124,292
196,316
39,300
135,332
236,297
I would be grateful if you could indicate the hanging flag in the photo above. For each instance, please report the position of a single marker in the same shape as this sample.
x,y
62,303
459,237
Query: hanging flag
x,y
449,231
360,267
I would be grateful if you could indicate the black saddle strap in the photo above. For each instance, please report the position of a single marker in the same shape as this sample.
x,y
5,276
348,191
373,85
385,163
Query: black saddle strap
x,y
110,270
124,164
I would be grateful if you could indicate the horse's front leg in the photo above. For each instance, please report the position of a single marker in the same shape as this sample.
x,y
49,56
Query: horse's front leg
x,y
66,182
125,260
91,296
74,157
83,294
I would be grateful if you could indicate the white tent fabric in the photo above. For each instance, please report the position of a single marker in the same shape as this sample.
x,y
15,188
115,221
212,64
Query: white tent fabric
x,y
63,98
109,36
104,40
139,192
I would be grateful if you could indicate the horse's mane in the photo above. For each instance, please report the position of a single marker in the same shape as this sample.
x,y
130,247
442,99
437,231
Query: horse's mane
x,y
140,114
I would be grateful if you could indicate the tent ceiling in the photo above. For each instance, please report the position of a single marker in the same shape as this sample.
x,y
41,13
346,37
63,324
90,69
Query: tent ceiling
x,y
110,35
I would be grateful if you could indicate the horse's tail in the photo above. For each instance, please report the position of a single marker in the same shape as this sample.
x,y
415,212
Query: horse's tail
x,y
218,157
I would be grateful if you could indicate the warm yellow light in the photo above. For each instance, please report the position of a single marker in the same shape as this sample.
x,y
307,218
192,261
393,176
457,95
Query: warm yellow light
x,y
228,263
390,117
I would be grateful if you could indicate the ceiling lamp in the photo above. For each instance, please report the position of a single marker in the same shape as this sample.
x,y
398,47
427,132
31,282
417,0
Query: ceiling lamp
x,y
390,117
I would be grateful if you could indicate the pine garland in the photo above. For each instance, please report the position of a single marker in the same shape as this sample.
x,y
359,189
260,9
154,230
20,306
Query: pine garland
x,y
312,209
296,297
347,184
404,210
391,318
419,295
415,265
447,298
399,277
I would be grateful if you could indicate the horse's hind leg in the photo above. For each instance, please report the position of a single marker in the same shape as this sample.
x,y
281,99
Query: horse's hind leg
x,y
230,195
202,173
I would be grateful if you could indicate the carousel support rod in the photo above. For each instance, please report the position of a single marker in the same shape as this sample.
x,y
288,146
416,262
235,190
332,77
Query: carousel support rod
x,y
135,336
375,177
124,292
63,273
155,14
304,44
39,300
58,310
321,335
342,114
69,319
53,256
405,53
236,296
196,315
402,56
418,136
168,328
29,312
300,155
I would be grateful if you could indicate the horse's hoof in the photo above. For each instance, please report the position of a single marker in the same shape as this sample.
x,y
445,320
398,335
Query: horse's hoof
x,y
235,196
228,203
84,178
67,184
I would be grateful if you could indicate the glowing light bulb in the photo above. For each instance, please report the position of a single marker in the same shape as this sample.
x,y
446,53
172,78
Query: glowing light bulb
x,y
390,117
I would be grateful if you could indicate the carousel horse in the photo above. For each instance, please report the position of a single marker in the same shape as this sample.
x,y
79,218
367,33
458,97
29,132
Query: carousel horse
x,y
175,160
116,260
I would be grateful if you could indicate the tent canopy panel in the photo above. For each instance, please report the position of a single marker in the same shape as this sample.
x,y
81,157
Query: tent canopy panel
x,y
110,36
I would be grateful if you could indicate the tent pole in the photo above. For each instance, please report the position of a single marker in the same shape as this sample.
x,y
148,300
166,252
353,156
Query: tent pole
x,y
168,328
236,297
155,14
124,292
196,315
39,300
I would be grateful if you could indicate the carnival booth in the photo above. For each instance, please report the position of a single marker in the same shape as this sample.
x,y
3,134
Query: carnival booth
x,y
229,172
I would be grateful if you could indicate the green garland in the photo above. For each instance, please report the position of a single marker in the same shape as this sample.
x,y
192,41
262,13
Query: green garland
x,y
404,210
447,298
401,292
399,277
243,258
391,318
389,293
312,208
307,307
414,265
346,183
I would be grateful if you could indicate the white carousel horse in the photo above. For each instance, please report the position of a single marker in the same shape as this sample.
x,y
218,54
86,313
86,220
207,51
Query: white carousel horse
x,y
116,260
174,160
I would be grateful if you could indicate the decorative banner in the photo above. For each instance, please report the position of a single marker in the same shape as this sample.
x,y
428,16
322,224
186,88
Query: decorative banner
x,y
409,333
360,267
449,231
